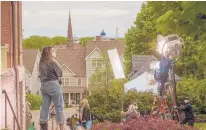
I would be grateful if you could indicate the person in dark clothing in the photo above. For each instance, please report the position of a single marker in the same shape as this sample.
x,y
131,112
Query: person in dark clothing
x,y
86,118
50,73
164,70
188,112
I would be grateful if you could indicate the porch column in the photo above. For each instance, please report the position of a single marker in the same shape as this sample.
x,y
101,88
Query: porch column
x,y
80,96
69,99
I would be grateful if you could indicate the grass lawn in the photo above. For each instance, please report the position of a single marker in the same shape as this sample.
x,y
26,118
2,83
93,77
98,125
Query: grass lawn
x,y
201,126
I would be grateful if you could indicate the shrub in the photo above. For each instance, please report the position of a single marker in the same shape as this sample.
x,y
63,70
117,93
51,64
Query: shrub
x,y
143,100
106,102
142,124
200,118
35,101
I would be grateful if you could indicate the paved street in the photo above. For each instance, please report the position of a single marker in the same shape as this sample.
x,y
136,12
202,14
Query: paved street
x,y
36,114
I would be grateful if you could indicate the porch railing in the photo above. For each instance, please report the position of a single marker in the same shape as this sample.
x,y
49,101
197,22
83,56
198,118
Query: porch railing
x,y
15,118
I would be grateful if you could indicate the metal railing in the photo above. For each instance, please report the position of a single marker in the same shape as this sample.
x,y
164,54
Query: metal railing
x,y
7,99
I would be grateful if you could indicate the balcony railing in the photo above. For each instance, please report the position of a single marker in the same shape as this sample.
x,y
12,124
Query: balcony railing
x,y
4,58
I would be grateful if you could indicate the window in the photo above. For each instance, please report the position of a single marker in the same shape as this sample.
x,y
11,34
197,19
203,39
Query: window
x,y
99,64
65,81
79,81
96,63
93,63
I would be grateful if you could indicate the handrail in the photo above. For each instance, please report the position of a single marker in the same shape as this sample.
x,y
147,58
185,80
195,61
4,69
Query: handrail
x,y
7,99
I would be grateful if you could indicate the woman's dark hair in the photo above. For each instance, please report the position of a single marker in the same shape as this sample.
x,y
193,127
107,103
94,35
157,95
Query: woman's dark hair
x,y
46,54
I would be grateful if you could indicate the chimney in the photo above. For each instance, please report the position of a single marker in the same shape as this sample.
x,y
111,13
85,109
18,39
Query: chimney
x,y
98,38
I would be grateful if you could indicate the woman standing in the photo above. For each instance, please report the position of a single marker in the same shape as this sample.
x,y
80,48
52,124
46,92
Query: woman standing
x,y
85,119
50,73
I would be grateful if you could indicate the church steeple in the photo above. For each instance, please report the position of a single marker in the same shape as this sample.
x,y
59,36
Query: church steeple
x,y
69,33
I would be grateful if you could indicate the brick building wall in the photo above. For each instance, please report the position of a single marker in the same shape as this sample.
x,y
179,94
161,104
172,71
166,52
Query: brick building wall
x,y
12,79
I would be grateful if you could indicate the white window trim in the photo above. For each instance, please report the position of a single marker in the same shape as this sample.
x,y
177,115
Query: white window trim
x,y
94,60
63,85
96,63
78,82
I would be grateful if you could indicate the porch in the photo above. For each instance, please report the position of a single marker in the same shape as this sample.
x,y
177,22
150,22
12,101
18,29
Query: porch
x,y
72,95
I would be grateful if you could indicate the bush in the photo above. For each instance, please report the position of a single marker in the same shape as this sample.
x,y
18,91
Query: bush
x,y
200,118
106,102
142,124
35,101
194,90
143,100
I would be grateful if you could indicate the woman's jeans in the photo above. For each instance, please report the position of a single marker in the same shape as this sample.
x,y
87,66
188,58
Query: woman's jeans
x,y
51,92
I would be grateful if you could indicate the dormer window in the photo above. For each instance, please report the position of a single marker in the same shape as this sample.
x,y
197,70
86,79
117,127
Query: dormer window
x,y
96,63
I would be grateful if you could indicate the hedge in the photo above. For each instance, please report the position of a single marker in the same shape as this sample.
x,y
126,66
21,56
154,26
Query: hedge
x,y
34,100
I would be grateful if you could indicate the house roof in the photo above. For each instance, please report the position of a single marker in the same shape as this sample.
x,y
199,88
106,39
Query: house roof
x,y
139,61
141,64
103,46
73,57
29,59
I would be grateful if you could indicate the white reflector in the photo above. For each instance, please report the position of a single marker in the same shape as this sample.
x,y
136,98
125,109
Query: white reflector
x,y
116,64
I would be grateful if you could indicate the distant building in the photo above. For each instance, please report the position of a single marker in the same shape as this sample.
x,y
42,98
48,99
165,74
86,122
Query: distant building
x,y
79,63
31,58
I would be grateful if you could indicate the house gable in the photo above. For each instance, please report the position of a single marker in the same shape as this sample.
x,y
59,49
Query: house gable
x,y
96,53
66,71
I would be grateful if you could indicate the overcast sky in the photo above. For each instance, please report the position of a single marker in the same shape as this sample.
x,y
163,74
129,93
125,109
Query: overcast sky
x,y
88,18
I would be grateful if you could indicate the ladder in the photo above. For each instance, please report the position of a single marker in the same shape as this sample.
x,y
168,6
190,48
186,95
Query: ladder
x,y
164,110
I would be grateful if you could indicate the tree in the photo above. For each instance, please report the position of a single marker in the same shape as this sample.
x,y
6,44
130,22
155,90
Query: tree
x,y
186,19
107,95
37,42
83,41
194,90
57,40
174,17
140,38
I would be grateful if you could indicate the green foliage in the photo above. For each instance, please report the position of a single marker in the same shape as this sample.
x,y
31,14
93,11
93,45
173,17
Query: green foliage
x,y
200,118
37,42
57,40
143,100
186,19
195,91
40,42
182,18
83,41
105,102
103,74
34,100
106,93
